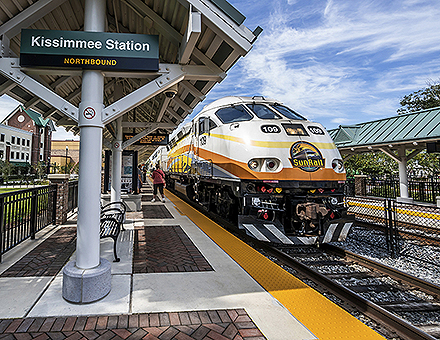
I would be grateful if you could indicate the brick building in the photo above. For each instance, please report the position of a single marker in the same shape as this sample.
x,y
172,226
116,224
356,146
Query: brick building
x,y
41,129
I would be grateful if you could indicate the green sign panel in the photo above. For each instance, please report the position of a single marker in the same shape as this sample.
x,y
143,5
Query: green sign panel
x,y
89,50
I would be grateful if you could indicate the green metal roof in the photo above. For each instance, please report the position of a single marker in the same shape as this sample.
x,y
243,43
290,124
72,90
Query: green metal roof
x,y
421,126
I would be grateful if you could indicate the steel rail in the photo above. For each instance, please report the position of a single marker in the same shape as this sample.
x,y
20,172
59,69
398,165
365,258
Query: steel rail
x,y
382,316
428,287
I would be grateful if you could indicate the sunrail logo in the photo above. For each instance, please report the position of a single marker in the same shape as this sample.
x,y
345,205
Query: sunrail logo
x,y
306,157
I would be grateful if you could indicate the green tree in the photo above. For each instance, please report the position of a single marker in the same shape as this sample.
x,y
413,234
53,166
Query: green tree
x,y
420,100
40,170
372,163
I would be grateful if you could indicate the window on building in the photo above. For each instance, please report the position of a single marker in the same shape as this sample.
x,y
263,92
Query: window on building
x,y
18,140
2,137
22,155
12,154
41,145
28,143
2,154
12,139
23,141
41,157
27,157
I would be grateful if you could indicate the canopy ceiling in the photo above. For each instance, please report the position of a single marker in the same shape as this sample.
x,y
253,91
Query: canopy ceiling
x,y
199,41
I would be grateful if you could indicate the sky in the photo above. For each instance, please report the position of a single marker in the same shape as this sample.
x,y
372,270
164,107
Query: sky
x,y
337,62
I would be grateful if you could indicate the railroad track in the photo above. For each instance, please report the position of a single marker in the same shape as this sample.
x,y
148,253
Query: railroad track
x,y
380,292
361,285
410,231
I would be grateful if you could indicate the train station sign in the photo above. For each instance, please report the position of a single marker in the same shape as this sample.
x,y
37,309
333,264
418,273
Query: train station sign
x,y
89,50
156,139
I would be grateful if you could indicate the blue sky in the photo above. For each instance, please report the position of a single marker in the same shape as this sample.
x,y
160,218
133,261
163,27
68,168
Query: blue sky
x,y
336,61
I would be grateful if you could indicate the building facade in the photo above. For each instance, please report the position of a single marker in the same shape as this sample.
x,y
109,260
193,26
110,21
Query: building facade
x,y
40,128
15,145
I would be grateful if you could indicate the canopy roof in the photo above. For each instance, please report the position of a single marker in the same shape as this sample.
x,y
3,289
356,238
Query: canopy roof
x,y
199,41
408,130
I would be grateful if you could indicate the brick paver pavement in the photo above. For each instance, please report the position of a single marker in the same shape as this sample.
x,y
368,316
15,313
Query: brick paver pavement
x,y
156,210
159,249
47,258
232,324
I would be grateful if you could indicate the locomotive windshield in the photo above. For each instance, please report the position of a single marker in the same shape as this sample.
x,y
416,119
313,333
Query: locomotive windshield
x,y
233,114
288,113
263,112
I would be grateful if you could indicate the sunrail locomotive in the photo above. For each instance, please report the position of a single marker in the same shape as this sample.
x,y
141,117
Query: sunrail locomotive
x,y
257,162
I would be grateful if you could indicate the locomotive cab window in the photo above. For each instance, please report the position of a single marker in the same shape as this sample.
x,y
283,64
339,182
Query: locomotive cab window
x,y
288,113
263,112
233,114
206,124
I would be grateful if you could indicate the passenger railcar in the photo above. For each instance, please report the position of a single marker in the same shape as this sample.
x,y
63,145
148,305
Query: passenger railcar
x,y
257,162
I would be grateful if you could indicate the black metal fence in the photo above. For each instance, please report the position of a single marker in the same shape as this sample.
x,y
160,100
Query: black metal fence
x,y
25,212
72,201
402,229
420,189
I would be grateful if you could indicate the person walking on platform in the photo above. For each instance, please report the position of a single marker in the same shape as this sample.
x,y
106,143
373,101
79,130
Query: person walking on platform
x,y
158,183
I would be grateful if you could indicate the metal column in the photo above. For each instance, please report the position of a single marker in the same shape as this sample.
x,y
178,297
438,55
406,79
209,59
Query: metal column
x,y
403,176
117,153
89,278
117,163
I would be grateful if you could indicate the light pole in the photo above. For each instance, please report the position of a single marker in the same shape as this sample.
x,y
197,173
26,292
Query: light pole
x,y
65,169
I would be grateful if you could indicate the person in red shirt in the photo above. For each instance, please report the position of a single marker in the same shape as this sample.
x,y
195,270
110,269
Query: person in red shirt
x,y
158,183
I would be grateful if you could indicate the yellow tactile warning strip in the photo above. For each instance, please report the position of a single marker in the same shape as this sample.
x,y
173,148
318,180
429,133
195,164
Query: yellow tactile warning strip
x,y
322,317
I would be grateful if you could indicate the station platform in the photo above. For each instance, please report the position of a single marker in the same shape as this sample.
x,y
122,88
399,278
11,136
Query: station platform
x,y
181,276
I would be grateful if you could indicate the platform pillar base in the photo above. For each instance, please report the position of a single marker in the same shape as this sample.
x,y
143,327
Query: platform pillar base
x,y
86,285
405,200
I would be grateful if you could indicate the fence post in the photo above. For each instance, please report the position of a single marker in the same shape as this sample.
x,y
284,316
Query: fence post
x,y
360,185
62,183
54,203
2,227
34,207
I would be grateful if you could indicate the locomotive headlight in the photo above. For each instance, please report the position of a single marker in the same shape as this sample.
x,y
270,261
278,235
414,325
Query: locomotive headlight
x,y
333,200
253,164
338,165
271,164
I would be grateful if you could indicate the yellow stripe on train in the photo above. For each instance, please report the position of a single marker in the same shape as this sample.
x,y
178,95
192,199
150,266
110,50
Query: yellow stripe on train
x,y
270,144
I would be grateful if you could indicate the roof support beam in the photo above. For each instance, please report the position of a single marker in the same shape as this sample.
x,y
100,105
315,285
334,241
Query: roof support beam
x,y
9,67
193,90
191,36
224,27
148,125
172,75
165,104
28,17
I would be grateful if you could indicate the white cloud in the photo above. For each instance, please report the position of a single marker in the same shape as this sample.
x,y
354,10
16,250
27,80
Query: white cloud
x,y
341,61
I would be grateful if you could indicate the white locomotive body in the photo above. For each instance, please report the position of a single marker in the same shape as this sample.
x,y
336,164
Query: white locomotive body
x,y
258,162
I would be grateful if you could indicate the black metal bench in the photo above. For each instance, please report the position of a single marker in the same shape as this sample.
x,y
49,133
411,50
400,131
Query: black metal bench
x,y
116,210
110,227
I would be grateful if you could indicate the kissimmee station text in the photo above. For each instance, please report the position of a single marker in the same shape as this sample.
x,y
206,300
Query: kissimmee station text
x,y
89,50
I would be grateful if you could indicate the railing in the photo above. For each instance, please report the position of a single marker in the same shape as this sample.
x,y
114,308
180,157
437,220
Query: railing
x,y
420,189
23,213
72,200
410,230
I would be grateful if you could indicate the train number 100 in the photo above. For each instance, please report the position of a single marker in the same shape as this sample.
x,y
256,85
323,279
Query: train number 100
x,y
270,129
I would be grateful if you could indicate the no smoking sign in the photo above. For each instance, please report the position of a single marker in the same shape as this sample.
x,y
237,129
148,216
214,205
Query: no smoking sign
x,y
89,112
